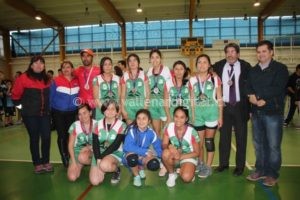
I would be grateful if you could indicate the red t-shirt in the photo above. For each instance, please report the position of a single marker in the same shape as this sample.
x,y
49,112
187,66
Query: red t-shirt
x,y
85,78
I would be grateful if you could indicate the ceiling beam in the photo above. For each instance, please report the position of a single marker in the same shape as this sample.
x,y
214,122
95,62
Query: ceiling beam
x,y
270,8
112,11
30,11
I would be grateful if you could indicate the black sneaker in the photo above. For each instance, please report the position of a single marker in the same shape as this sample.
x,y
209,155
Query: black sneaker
x,y
116,176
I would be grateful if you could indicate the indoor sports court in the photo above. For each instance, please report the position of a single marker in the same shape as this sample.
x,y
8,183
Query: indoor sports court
x,y
181,30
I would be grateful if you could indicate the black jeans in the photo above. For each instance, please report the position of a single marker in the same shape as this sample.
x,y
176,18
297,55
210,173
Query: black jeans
x,y
292,109
63,120
38,127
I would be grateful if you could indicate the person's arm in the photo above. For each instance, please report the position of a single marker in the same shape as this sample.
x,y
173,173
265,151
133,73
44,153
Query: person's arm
x,y
17,91
52,93
147,89
96,93
96,146
114,146
123,95
71,142
131,146
192,95
156,143
167,103
220,101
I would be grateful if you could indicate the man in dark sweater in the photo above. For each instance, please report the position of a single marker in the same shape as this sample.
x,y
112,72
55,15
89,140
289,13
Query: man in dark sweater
x,y
293,88
266,90
233,73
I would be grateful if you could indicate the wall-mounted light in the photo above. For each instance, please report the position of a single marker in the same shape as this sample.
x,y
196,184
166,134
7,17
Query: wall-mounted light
x,y
245,16
100,23
256,3
139,8
38,17
146,20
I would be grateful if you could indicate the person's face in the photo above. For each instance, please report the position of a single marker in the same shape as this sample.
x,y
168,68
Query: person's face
x,y
155,59
107,66
263,54
133,63
111,111
67,69
180,118
86,59
178,71
84,115
231,55
38,66
121,66
142,121
203,65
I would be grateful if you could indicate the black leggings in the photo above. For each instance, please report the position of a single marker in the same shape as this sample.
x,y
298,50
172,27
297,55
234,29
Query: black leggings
x,y
63,120
38,127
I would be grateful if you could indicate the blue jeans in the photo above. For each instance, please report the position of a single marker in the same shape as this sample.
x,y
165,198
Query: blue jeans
x,y
267,137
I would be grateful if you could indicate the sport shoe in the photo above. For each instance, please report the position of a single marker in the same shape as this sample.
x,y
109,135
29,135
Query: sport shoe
x,y
270,181
205,172
255,176
116,176
38,169
285,124
48,167
142,173
137,181
163,171
171,182
200,166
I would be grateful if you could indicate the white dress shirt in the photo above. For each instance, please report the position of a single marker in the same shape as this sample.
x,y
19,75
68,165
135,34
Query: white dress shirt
x,y
226,78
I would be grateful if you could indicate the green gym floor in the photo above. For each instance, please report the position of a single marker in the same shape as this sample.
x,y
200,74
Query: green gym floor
x,y
17,180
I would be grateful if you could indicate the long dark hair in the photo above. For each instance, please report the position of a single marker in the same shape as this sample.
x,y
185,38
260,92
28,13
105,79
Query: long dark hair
x,y
39,76
102,61
134,123
185,75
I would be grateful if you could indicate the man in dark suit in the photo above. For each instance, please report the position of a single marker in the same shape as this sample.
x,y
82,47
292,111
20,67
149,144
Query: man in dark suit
x,y
233,73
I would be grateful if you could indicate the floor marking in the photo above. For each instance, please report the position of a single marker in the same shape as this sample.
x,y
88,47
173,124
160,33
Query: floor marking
x,y
247,164
84,193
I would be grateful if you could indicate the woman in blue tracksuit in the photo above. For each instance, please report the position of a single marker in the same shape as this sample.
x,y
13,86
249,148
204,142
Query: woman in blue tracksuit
x,y
63,100
137,145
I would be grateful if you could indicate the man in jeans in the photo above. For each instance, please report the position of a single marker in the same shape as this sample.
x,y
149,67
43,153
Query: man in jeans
x,y
266,90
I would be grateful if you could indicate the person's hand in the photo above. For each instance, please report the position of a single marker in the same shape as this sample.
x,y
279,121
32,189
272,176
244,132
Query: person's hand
x,y
252,99
261,103
220,122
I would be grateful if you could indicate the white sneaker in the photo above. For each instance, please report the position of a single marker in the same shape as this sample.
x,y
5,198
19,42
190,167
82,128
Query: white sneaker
x,y
163,171
137,181
142,173
171,182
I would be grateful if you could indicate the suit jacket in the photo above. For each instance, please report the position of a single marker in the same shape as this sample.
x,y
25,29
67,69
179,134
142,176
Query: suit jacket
x,y
245,68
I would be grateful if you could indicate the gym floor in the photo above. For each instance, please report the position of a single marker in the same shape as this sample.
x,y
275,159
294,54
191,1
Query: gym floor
x,y
18,181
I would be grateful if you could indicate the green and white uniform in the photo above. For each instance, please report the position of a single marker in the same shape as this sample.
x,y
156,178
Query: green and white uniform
x,y
107,91
206,105
81,138
178,96
135,93
156,83
106,137
186,143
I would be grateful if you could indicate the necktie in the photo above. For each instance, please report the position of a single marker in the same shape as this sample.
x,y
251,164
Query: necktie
x,y
232,95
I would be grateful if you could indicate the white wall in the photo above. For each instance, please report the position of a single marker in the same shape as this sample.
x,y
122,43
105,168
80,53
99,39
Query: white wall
x,y
290,57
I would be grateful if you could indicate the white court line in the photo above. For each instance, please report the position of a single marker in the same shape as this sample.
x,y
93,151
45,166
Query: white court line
x,y
247,164
30,161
